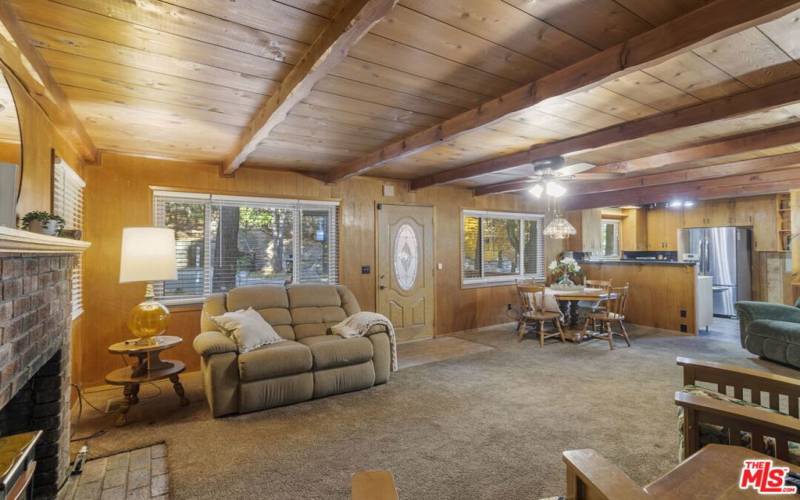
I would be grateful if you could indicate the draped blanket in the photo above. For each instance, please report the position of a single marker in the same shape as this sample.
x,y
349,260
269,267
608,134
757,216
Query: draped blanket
x,y
360,324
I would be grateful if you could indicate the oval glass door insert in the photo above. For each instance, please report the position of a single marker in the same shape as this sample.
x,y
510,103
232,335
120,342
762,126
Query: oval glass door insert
x,y
406,257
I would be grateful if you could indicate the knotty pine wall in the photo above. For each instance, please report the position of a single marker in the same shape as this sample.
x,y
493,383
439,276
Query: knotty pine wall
x,y
39,139
119,195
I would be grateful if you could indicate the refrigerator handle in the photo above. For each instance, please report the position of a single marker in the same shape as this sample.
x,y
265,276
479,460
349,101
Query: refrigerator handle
x,y
705,265
701,260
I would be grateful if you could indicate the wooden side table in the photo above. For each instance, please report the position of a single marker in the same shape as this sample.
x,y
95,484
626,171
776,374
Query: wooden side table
x,y
147,368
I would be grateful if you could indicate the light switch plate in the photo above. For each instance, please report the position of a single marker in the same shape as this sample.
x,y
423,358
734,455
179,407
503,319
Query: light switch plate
x,y
388,189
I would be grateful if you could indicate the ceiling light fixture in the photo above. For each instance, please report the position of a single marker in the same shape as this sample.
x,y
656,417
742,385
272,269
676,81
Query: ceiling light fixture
x,y
550,188
559,228
536,190
554,189
680,203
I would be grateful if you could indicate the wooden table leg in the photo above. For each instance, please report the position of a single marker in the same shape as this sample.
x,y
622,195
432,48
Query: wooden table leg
x,y
176,384
573,313
131,392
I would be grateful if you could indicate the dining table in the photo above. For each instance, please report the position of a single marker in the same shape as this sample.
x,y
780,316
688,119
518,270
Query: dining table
x,y
568,303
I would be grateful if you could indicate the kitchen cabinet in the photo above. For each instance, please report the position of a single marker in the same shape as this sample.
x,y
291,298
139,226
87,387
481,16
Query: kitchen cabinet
x,y
722,213
634,230
697,216
591,230
758,213
662,229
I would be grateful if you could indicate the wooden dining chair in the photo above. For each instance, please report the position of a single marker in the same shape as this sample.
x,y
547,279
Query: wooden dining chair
x,y
535,313
598,305
614,312
597,283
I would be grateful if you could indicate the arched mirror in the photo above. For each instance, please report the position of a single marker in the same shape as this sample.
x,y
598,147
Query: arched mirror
x,y
10,156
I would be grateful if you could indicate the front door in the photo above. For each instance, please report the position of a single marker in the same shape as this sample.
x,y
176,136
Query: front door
x,y
405,269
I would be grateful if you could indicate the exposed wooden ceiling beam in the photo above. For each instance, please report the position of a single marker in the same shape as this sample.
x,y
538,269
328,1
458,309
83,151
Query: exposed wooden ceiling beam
x,y
748,184
676,159
765,164
20,58
760,139
708,23
347,27
775,95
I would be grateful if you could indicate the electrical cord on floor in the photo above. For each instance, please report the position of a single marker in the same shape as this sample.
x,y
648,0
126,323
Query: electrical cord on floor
x,y
81,400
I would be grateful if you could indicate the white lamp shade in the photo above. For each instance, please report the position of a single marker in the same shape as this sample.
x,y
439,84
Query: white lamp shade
x,y
148,254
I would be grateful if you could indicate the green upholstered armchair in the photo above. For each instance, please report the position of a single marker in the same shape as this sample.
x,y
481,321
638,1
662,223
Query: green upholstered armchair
x,y
771,331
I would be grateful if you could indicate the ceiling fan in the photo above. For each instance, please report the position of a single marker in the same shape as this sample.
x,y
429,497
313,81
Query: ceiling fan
x,y
549,174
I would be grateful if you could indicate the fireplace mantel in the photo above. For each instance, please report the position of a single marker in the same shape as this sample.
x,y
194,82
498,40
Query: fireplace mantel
x,y
15,241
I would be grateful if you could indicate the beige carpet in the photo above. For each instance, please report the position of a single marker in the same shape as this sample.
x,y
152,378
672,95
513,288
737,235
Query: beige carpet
x,y
491,424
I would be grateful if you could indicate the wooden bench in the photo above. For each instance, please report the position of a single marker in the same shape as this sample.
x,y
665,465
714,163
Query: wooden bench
x,y
736,418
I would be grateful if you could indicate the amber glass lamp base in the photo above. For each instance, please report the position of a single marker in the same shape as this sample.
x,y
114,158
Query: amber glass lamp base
x,y
149,318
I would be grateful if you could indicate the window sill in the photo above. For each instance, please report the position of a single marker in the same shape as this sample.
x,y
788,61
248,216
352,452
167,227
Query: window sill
x,y
498,282
188,301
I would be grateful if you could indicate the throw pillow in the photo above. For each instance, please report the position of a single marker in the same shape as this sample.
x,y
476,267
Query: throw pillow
x,y
247,328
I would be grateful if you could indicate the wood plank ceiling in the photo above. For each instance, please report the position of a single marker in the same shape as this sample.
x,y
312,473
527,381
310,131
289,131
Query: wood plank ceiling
x,y
182,79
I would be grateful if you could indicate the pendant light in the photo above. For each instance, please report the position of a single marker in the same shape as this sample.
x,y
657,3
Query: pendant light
x,y
558,228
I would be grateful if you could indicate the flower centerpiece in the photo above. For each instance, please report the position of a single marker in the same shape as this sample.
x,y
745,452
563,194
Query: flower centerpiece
x,y
562,272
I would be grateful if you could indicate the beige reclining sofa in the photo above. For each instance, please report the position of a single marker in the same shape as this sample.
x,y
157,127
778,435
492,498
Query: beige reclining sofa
x,y
310,363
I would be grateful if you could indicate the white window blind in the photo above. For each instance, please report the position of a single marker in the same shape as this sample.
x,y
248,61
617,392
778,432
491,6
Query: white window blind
x,y
224,242
68,190
501,247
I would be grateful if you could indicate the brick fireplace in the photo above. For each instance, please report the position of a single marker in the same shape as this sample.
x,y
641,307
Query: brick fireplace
x,y
35,324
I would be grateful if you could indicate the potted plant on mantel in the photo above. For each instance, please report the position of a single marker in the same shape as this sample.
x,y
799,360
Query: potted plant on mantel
x,y
43,223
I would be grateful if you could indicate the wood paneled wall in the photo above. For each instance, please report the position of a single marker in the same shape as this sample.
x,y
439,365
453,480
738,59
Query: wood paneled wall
x,y
119,195
39,139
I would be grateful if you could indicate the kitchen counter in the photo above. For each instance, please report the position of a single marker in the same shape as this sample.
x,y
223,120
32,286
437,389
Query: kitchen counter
x,y
640,262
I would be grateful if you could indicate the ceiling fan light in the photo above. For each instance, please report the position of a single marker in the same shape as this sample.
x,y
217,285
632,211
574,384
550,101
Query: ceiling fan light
x,y
555,189
536,190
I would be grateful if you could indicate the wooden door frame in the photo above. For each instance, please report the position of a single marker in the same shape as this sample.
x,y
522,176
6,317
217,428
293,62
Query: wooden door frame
x,y
376,250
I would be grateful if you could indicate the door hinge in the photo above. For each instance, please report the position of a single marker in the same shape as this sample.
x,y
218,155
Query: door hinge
x,y
380,205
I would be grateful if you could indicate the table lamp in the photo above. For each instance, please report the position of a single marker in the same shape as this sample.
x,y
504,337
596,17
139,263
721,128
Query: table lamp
x,y
148,254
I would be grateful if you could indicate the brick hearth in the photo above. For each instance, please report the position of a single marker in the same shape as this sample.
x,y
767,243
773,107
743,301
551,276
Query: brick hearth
x,y
35,321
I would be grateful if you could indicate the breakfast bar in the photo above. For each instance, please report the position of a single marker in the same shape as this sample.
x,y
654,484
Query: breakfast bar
x,y
662,293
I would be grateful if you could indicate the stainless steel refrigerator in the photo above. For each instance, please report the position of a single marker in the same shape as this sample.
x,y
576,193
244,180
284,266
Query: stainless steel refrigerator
x,y
724,254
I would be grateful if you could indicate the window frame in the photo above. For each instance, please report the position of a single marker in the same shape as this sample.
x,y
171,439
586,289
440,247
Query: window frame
x,y
617,232
521,217
298,206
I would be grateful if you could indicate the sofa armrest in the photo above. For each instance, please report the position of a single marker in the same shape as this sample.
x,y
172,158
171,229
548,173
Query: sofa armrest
x,y
695,370
749,311
375,329
208,343
766,421
589,475
737,418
